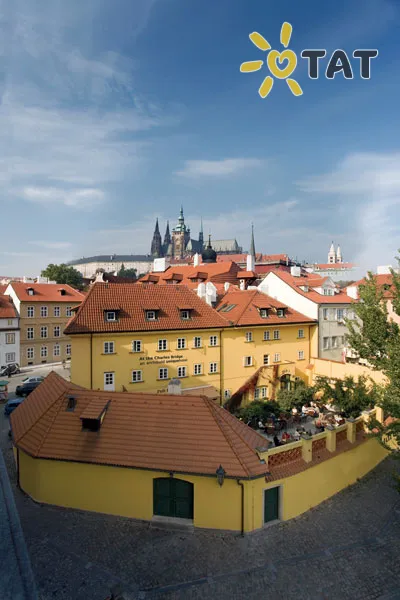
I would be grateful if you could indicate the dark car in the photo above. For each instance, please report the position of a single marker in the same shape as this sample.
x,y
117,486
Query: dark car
x,y
26,388
12,405
10,369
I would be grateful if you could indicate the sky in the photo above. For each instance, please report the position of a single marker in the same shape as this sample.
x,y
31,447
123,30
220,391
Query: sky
x,y
116,112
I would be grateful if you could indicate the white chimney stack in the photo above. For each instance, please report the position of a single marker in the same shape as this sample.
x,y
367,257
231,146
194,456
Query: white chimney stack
x,y
295,271
196,260
160,265
250,262
226,286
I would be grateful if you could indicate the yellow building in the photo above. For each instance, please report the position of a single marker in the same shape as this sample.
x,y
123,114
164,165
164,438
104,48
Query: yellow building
x,y
44,310
139,337
174,458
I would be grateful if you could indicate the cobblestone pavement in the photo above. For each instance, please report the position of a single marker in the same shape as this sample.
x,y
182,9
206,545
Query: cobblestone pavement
x,y
348,548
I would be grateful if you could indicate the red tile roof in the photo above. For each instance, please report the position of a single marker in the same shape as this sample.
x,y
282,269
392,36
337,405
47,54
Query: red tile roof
x,y
7,308
260,258
3,288
215,272
382,281
312,280
246,305
133,300
46,292
139,430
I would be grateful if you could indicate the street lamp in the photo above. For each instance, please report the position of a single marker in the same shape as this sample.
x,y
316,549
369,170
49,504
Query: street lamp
x,y
220,475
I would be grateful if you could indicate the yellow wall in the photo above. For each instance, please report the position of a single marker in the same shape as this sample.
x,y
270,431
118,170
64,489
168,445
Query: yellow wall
x,y
331,368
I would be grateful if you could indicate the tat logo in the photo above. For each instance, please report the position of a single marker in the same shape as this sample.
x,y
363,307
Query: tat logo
x,y
338,62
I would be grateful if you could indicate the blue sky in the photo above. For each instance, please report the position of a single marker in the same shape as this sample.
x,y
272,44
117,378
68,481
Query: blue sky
x,y
114,112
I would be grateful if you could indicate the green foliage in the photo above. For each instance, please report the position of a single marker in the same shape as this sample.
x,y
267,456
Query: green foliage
x,y
349,395
258,410
301,394
377,339
127,273
63,274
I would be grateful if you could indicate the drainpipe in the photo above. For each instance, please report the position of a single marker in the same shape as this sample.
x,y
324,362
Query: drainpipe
x,y
242,512
221,362
91,362
18,482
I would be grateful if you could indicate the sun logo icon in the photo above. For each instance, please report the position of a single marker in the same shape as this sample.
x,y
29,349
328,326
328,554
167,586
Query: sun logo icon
x,y
273,58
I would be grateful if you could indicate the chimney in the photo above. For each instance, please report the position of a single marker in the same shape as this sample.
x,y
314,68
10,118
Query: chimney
x,y
174,387
196,260
295,271
250,262
160,265
383,270
226,286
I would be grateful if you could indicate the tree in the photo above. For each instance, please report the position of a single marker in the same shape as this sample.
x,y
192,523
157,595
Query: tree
x,y
258,410
63,274
127,273
301,394
349,395
376,338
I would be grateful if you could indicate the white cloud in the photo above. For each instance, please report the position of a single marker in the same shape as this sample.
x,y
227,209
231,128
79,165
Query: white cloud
x,y
80,198
217,168
367,188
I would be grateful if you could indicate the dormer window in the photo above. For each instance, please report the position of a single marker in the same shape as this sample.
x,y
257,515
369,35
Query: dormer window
x,y
93,415
30,291
111,315
280,312
62,291
151,315
264,313
71,403
305,288
185,314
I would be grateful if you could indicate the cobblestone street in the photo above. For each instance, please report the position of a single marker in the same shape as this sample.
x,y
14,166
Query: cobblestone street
x,y
347,548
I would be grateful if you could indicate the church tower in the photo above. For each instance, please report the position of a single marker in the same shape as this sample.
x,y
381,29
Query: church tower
x,y
201,235
332,255
251,257
180,237
156,246
339,257
167,241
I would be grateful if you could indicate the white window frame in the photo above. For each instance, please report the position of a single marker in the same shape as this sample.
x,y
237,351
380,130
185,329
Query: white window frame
x,y
137,376
326,343
108,348
30,333
43,352
30,312
68,312
249,336
280,312
57,331
197,369
264,391
181,343
325,314
247,361
213,368
151,315
162,345
44,312
213,340
42,329
256,393
30,353
68,349
10,338
338,312
56,346
185,315
197,342
277,334
10,357
267,336
109,378
163,373
277,357
108,316
335,341
264,313
182,372
57,311
137,346
301,334
266,360
300,354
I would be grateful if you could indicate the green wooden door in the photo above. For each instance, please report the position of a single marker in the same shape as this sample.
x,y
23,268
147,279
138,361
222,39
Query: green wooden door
x,y
173,498
271,504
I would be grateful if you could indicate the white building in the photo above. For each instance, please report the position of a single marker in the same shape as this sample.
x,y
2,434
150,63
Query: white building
x,y
9,332
112,263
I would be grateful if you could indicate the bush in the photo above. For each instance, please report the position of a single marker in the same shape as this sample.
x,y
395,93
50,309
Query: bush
x,y
258,410
352,397
288,399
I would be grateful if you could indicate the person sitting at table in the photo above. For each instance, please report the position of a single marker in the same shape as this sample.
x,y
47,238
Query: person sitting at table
x,y
276,441
296,435
260,424
294,411
285,437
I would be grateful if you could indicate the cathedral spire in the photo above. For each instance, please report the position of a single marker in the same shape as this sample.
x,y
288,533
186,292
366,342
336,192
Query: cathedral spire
x,y
201,234
252,245
156,246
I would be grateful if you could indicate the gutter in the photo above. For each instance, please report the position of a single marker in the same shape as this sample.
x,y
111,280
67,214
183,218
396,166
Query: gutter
x,y
91,361
242,506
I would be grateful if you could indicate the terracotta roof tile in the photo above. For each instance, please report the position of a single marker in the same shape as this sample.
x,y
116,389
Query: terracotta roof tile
x,y
312,280
383,281
245,309
133,300
139,430
3,288
7,308
46,292
215,272
242,258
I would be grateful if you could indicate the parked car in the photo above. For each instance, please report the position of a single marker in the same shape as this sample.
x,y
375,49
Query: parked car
x,y
10,369
27,387
38,378
12,405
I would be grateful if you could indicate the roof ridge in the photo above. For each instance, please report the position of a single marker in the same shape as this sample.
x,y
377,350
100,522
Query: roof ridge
x,y
252,296
212,408
51,424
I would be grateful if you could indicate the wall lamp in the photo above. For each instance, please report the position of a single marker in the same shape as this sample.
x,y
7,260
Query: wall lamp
x,y
220,472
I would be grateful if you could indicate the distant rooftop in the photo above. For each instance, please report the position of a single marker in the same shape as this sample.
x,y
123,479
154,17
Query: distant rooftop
x,y
112,258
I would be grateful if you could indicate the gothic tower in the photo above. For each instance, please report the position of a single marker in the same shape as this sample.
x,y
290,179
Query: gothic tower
x,y
167,241
201,235
332,255
156,245
339,257
180,237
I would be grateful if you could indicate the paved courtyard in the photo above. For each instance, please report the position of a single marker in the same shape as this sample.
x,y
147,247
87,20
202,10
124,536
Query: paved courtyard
x,y
347,549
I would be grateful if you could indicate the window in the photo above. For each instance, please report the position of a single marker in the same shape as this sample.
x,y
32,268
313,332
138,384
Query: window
x,y
340,314
181,343
57,331
266,359
136,346
227,394
43,332
248,361
181,371
56,350
68,313
264,313
30,333
256,393
43,351
162,345
325,343
10,338
57,311
300,355
136,376
68,349
31,311
335,342
108,347
108,379
301,333
328,291
266,336
249,336
276,334
325,314
280,312
30,353
151,315
9,322
197,342
198,369
163,373
10,357
277,357
110,315
213,340
185,315
264,392
213,367
44,311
